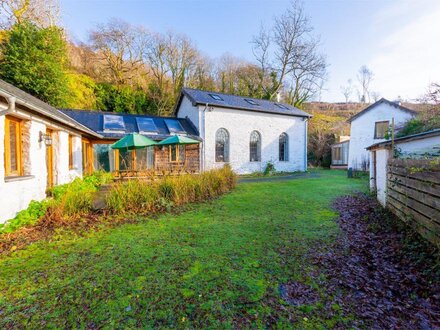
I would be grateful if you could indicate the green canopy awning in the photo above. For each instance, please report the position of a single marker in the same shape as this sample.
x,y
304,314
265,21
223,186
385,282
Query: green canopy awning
x,y
177,139
133,141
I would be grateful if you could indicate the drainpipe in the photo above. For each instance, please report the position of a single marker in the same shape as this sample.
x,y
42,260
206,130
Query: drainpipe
x,y
202,133
305,144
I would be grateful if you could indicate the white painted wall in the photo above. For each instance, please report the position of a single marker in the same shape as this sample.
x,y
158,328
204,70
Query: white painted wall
x,y
382,156
62,173
362,131
187,109
240,124
17,194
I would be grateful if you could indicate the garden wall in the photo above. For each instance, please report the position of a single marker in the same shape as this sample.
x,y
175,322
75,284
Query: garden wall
x,y
413,194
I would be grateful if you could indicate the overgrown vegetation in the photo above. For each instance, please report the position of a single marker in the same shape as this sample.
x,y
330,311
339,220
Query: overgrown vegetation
x,y
66,200
143,197
424,121
71,205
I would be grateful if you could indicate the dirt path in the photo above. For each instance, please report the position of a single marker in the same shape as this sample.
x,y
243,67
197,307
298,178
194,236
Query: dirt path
x,y
372,274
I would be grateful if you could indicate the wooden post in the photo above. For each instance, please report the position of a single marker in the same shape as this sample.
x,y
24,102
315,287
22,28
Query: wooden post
x,y
392,137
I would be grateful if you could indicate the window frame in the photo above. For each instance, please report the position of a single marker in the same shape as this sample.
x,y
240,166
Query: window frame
x,y
18,147
286,147
258,147
180,153
376,137
216,97
225,153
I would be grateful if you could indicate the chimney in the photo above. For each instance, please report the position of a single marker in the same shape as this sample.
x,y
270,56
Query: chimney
x,y
278,97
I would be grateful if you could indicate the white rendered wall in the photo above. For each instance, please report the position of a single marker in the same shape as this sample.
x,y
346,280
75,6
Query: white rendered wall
x,y
382,156
362,131
17,194
187,109
240,124
62,173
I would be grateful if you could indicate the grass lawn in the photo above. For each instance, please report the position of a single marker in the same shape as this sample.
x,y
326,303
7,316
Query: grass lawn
x,y
218,264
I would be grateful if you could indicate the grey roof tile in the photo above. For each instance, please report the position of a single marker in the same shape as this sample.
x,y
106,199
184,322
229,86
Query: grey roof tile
x,y
198,96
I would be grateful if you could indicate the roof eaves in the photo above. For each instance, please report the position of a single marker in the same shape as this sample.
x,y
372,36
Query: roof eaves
x,y
417,136
382,100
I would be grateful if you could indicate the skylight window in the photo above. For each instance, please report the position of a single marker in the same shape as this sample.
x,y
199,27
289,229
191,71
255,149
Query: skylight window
x,y
146,125
281,106
174,126
251,102
216,97
114,123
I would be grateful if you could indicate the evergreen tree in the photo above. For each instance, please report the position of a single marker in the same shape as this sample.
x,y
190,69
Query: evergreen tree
x,y
35,59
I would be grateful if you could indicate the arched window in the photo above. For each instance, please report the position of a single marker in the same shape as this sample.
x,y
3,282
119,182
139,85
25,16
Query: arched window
x,y
222,145
255,147
283,148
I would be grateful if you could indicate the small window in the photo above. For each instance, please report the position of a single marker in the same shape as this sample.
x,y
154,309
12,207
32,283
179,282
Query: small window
x,y
283,148
255,147
281,106
71,165
251,102
174,126
114,123
13,152
337,155
146,125
177,153
222,145
381,129
216,97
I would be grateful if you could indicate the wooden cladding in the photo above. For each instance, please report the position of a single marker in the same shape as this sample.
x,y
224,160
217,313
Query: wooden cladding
x,y
413,194
13,150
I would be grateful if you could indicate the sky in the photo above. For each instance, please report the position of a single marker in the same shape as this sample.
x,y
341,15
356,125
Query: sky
x,y
399,40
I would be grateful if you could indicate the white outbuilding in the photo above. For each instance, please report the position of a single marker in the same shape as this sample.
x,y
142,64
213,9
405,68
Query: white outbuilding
x,y
245,132
371,126
424,145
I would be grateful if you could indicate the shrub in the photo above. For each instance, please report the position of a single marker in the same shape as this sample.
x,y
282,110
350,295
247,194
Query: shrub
x,y
66,200
141,197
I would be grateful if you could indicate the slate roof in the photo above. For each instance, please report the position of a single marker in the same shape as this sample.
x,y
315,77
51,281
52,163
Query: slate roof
x,y
95,121
434,132
43,108
382,100
200,97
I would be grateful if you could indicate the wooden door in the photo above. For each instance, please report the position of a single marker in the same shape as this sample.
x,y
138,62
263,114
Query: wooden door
x,y
87,156
49,161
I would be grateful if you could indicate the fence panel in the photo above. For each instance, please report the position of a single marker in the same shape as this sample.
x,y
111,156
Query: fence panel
x,y
413,194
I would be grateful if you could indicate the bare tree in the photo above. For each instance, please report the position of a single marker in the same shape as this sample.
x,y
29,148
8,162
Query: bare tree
x,y
180,57
375,96
347,90
121,47
43,13
288,55
364,76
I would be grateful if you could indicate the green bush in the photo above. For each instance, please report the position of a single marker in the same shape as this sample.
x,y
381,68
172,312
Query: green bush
x,y
142,197
65,200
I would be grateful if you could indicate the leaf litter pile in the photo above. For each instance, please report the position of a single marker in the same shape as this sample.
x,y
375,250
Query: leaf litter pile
x,y
377,272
